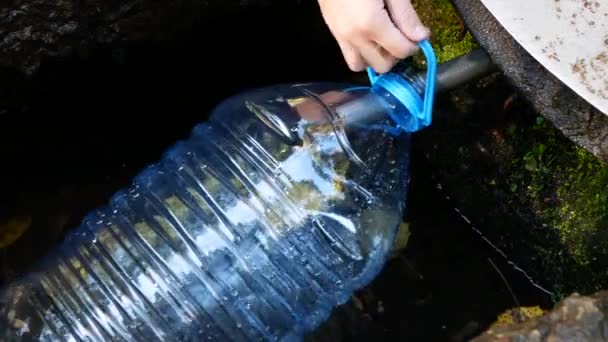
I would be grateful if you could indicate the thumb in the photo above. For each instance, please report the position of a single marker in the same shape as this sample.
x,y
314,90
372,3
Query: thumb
x,y
406,19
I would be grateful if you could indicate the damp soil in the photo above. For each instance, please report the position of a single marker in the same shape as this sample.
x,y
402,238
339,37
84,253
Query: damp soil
x,y
84,128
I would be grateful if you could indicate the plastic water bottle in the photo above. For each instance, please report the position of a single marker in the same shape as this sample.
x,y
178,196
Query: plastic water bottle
x,y
254,228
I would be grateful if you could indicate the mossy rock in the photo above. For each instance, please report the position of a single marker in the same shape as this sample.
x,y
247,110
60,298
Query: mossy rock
x,y
567,187
536,172
518,315
449,36
529,189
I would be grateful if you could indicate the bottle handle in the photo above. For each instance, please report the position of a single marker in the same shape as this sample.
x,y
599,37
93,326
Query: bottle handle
x,y
421,109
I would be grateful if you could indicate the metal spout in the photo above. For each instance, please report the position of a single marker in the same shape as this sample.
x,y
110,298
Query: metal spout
x,y
450,75
463,69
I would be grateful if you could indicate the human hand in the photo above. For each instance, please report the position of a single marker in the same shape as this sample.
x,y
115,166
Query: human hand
x,y
375,33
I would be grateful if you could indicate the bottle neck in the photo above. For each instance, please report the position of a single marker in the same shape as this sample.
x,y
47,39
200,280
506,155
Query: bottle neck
x,y
377,108
365,110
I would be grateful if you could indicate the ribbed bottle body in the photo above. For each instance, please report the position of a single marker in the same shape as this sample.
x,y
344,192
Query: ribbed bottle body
x,y
252,229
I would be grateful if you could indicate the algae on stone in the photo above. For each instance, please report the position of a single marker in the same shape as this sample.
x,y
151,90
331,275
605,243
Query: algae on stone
x,y
532,192
518,315
449,36
582,216
568,189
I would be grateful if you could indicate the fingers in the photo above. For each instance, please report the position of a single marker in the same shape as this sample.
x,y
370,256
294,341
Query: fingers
x,y
405,18
390,38
383,40
375,33
376,57
352,57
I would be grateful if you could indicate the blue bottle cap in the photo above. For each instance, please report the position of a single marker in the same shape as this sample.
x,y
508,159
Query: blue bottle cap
x,y
421,109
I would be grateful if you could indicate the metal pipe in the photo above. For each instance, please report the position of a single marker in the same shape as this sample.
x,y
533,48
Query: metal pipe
x,y
463,69
450,75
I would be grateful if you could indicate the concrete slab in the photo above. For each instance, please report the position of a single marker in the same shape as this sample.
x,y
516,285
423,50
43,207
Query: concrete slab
x,y
577,118
568,37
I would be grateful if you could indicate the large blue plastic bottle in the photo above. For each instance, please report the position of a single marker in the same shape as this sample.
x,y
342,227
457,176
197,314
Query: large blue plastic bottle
x,y
254,228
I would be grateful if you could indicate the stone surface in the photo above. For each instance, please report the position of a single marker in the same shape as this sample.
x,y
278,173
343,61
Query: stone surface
x,y
576,118
42,43
32,31
531,191
576,318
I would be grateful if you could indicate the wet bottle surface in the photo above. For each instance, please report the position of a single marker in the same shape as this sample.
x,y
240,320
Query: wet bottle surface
x,y
254,228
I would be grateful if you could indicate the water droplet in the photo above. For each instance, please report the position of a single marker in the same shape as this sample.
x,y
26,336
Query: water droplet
x,y
235,293
239,325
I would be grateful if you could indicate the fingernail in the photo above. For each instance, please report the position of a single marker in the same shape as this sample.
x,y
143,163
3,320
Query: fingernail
x,y
421,32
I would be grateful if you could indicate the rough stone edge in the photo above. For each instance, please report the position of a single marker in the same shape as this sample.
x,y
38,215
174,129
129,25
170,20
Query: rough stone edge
x,y
574,117
32,31
576,318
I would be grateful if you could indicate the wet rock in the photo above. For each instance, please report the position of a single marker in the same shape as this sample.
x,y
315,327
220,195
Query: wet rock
x,y
55,49
576,318
524,186
32,31
449,36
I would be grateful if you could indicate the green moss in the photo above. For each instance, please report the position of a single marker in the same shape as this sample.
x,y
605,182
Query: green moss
x,y
448,34
567,187
582,214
